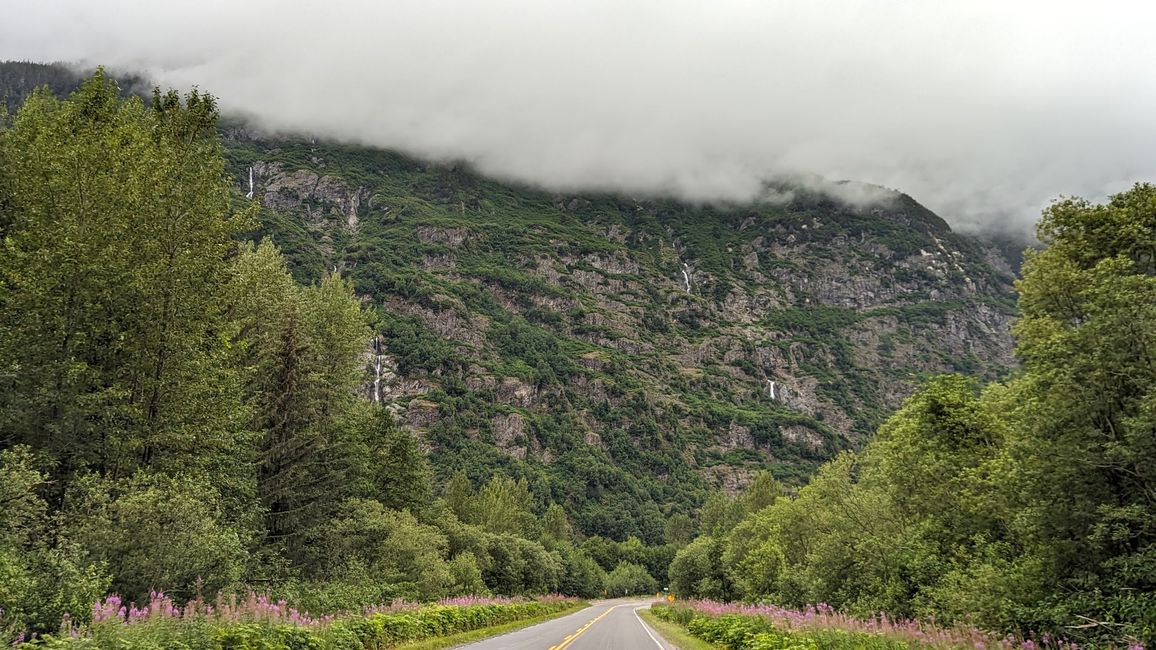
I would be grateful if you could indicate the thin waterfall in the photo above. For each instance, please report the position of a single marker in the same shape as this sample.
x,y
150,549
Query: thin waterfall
x,y
686,276
250,194
377,368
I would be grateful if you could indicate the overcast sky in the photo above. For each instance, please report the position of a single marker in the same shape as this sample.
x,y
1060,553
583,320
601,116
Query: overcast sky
x,y
983,110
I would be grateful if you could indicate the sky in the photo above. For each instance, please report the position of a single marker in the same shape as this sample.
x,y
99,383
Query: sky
x,y
983,110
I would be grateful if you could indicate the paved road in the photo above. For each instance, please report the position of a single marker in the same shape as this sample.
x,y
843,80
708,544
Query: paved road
x,y
605,625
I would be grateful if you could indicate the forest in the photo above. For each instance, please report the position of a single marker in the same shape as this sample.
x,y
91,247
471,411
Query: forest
x,y
180,411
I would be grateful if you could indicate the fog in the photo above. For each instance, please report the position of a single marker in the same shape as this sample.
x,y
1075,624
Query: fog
x,y
984,111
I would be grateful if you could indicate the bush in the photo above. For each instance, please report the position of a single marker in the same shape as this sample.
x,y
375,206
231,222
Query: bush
x,y
156,532
40,582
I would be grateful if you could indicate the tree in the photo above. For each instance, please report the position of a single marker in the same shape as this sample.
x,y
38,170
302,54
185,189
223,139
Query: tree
x,y
117,226
555,524
719,514
503,506
302,349
1077,468
466,575
401,473
679,529
367,542
458,494
630,580
761,493
581,575
697,570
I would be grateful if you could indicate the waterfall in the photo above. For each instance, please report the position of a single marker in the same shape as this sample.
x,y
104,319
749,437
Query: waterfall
x,y
686,276
377,369
771,388
250,194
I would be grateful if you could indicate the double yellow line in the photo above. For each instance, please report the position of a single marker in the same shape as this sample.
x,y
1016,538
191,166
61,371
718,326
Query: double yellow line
x,y
570,639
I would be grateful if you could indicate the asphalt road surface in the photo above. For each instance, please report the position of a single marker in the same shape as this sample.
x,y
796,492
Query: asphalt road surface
x,y
605,625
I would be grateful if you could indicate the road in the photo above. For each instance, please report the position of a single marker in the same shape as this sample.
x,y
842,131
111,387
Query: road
x,y
605,625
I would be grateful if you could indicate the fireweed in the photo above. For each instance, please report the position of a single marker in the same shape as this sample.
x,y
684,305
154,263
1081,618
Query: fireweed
x,y
259,608
922,633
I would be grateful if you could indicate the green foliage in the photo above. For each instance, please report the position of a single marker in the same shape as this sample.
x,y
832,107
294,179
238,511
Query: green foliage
x,y
366,543
400,472
43,577
697,570
555,524
814,321
504,506
679,529
738,632
466,575
519,566
156,532
383,630
581,574
302,347
112,335
630,580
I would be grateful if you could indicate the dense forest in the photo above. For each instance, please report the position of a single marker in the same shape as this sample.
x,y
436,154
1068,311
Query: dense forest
x,y
182,408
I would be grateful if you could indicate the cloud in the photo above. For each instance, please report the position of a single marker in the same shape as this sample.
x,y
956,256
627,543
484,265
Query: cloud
x,y
982,110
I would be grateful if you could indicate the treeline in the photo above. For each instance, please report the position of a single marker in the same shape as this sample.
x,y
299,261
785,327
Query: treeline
x,y
1023,506
177,413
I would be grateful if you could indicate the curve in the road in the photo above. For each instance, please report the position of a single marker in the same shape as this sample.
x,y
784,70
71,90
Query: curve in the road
x,y
615,625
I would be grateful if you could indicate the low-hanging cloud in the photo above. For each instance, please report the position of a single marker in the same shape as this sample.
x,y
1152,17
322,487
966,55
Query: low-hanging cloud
x,y
984,110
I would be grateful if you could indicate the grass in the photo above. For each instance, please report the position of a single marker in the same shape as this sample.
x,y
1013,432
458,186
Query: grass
x,y
674,634
486,632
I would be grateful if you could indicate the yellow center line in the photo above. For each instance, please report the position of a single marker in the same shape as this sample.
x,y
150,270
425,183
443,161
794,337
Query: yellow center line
x,y
570,639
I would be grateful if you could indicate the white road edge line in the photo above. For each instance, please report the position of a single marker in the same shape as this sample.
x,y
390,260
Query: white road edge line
x,y
647,628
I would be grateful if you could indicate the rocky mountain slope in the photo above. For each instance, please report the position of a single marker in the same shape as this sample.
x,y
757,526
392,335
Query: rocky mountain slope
x,y
680,343
626,354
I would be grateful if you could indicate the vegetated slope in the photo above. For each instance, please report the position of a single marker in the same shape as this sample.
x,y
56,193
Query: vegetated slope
x,y
631,350
624,355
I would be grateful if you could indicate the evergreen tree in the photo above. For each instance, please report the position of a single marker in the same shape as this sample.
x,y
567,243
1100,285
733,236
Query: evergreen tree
x,y
402,479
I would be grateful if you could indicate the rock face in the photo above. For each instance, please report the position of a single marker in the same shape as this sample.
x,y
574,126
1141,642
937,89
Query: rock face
x,y
321,197
704,341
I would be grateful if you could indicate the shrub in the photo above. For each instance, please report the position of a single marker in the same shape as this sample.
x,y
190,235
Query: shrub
x,y
153,530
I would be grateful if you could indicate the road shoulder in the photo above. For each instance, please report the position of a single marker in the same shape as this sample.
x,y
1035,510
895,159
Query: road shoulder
x,y
674,635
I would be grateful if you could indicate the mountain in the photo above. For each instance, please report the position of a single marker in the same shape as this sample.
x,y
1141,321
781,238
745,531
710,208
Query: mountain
x,y
626,354
631,348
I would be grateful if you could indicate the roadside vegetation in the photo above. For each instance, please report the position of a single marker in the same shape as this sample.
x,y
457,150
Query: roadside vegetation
x,y
255,623
767,627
